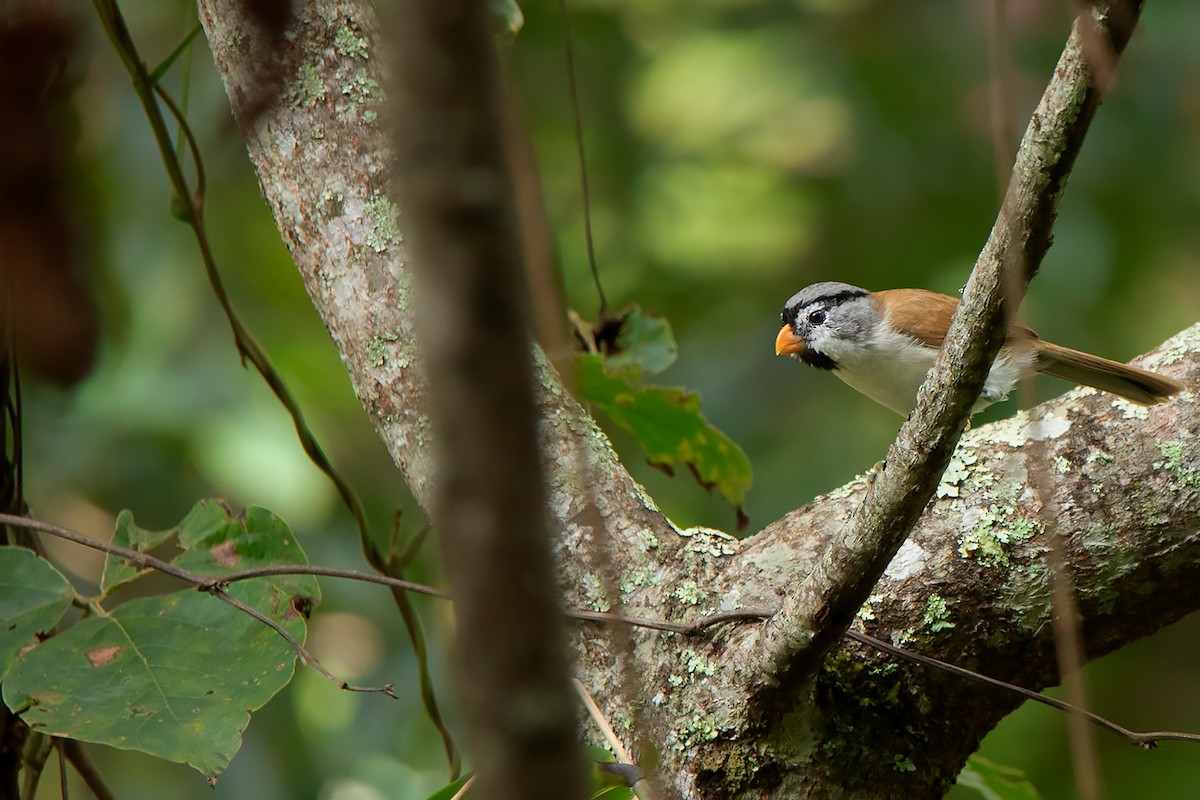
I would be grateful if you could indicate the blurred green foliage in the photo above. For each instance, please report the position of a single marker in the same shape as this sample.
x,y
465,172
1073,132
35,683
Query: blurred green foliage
x,y
738,150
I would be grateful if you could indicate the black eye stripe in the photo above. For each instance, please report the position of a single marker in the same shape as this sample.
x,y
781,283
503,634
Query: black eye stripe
x,y
838,297
791,311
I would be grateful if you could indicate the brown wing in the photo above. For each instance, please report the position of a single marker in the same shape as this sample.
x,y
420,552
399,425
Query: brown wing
x,y
925,315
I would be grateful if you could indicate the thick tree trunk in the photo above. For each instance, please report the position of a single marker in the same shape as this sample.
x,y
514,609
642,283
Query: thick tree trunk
x,y
969,585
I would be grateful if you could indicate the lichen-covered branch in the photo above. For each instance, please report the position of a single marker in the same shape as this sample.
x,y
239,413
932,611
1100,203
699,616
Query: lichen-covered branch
x,y
794,642
323,155
968,585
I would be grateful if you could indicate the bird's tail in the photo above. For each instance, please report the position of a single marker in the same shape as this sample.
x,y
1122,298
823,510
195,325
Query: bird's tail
x,y
1129,382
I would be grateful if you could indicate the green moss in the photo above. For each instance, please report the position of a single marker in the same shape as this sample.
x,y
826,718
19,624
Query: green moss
x,y
866,709
308,88
732,767
690,594
696,664
347,43
647,540
637,578
360,85
385,231
1110,563
1177,462
937,614
1027,595
594,590
702,728
995,529
1179,347
377,352
956,472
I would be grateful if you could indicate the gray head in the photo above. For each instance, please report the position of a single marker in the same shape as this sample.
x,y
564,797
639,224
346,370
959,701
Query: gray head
x,y
824,314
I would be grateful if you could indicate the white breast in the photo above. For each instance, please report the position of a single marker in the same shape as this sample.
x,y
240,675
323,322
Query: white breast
x,y
892,366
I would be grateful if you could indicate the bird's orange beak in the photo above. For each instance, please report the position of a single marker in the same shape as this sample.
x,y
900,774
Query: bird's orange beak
x,y
787,342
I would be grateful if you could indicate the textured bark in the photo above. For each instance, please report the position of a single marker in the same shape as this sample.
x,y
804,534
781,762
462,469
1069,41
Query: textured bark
x,y
513,678
969,585
815,616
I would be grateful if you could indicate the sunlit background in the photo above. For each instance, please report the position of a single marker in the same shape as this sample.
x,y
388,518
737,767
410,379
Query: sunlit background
x,y
737,151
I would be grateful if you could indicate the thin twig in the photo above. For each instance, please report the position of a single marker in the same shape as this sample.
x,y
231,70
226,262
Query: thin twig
x,y
641,787
85,768
462,790
695,628
64,792
33,761
816,612
248,349
394,565
601,721
207,584
585,194
1146,740
1000,70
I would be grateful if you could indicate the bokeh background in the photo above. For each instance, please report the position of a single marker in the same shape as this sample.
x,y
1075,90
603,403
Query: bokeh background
x,y
737,150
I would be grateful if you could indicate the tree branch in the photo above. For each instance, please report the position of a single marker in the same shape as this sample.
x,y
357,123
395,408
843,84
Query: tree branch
x,y
513,677
969,584
819,611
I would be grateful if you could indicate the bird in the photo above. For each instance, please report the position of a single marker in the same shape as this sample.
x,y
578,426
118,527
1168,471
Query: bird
x,y
884,343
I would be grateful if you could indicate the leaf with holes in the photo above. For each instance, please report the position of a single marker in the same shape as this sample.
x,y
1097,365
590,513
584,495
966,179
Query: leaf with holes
x,y
33,597
177,675
669,426
643,341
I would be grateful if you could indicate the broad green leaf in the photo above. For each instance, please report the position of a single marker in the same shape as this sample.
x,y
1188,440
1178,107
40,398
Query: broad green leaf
x,y
643,341
207,537
669,426
995,781
33,597
176,675
118,571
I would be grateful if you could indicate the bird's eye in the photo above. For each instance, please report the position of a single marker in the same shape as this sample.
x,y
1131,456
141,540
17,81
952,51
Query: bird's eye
x,y
816,317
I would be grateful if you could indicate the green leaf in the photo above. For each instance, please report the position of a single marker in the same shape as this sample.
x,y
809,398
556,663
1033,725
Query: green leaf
x,y
507,18
177,675
118,571
605,785
669,426
995,781
449,790
33,597
643,341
